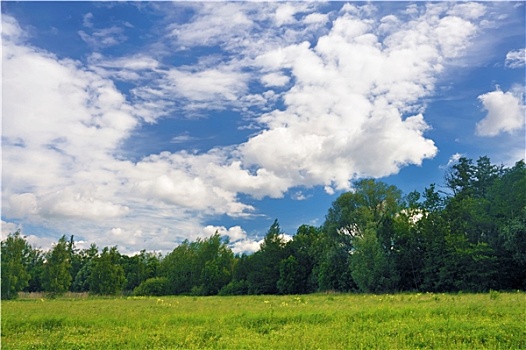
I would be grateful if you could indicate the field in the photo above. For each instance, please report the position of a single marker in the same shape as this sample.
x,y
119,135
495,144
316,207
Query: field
x,y
321,321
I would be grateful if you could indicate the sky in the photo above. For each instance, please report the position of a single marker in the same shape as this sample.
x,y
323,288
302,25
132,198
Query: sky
x,y
142,124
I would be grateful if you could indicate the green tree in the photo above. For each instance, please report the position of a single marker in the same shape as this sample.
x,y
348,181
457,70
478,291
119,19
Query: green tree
x,y
179,267
81,279
35,268
56,274
218,262
265,263
107,275
299,272
15,256
370,267
202,267
354,218
140,267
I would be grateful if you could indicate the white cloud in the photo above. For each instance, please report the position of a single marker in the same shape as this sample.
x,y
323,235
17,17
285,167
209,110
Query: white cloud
x,y
207,85
104,37
239,242
299,196
183,138
469,10
234,233
8,228
505,113
350,106
87,20
275,79
246,246
452,160
516,59
211,25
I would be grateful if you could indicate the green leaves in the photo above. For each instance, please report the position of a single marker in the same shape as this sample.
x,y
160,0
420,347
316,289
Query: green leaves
x,y
15,258
56,276
107,275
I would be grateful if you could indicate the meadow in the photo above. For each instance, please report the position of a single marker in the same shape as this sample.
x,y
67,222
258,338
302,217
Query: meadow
x,y
319,321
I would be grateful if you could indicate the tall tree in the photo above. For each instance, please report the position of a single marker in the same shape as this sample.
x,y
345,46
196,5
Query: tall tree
x,y
264,276
81,279
56,274
15,256
299,272
35,268
107,275
179,267
364,217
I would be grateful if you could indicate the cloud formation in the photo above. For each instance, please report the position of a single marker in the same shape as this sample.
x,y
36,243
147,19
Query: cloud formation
x,y
330,97
506,112
516,59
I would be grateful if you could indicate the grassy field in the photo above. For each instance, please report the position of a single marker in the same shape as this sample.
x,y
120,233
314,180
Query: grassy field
x,y
340,321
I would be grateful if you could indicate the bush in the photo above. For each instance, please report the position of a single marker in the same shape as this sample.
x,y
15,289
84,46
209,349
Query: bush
x,y
156,286
235,288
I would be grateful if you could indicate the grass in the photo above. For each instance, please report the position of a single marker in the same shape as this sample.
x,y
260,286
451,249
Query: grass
x,y
337,321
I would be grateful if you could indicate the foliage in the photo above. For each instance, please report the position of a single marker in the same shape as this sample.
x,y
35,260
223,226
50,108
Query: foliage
x,y
15,257
56,275
265,263
155,286
202,267
107,276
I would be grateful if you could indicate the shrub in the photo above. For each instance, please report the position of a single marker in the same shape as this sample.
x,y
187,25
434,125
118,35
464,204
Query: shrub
x,y
152,287
235,288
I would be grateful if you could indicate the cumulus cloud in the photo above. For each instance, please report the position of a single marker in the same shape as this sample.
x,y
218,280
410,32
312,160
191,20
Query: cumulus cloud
x,y
234,233
349,88
239,241
506,112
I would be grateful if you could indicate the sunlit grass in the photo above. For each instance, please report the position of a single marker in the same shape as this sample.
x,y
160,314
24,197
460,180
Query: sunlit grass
x,y
339,321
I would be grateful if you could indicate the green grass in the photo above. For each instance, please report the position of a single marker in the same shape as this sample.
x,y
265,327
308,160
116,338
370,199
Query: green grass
x,y
340,321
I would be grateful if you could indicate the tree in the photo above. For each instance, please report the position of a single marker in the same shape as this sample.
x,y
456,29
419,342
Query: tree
x,y
107,275
298,274
202,267
56,274
370,266
140,267
216,259
179,267
363,217
15,255
35,268
81,279
264,276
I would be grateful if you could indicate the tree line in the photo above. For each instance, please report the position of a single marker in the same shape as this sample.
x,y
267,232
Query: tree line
x,y
470,236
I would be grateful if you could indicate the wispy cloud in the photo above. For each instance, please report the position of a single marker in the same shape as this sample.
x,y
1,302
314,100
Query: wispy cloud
x,y
516,59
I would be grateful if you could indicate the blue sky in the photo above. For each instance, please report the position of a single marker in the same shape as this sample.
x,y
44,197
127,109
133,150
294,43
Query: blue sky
x,y
142,124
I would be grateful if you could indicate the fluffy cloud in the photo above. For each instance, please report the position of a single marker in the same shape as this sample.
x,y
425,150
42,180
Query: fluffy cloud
x,y
349,88
239,242
349,106
505,112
